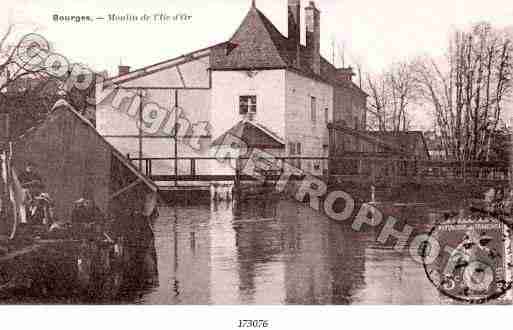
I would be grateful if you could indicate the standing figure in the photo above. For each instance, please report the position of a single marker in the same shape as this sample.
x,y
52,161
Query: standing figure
x,y
38,204
30,178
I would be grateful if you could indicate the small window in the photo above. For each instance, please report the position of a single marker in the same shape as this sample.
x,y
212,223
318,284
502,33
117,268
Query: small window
x,y
356,123
292,149
326,115
313,109
247,104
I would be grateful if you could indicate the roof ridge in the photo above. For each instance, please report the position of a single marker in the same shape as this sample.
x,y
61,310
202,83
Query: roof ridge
x,y
162,65
272,29
241,24
239,131
63,104
256,44
267,130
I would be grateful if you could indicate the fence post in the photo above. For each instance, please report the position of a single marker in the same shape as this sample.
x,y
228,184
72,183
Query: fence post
x,y
237,184
464,174
193,166
373,171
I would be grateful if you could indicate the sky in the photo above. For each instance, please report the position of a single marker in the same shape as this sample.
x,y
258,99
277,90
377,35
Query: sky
x,y
374,33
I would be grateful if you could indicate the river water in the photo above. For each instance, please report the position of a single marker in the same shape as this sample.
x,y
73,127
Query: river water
x,y
282,253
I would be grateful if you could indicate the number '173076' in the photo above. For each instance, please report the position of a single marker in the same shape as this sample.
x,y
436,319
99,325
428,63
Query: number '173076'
x,y
253,324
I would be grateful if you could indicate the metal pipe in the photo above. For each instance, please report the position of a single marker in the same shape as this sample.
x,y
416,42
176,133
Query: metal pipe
x,y
176,137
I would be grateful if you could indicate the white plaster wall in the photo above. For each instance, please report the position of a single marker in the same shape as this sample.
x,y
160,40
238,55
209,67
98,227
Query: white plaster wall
x,y
268,86
298,124
227,86
117,115
283,106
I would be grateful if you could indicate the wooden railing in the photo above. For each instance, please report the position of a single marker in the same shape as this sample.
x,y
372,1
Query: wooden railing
x,y
194,168
376,167
191,168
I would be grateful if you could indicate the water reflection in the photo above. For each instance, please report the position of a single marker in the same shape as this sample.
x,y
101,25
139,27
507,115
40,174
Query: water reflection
x,y
279,252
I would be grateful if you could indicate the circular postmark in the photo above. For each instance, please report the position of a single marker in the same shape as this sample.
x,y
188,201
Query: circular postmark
x,y
474,262
32,52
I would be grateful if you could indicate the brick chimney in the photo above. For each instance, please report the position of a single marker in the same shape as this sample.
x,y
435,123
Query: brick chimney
x,y
345,74
313,36
295,29
123,69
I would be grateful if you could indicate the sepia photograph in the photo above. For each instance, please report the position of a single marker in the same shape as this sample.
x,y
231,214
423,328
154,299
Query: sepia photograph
x,y
256,153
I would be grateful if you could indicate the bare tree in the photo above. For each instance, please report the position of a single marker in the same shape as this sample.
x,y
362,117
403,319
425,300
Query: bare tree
x,y
11,69
391,96
28,90
467,90
377,89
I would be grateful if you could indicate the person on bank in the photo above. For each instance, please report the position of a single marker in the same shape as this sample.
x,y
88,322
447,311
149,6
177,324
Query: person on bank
x,y
38,204
30,178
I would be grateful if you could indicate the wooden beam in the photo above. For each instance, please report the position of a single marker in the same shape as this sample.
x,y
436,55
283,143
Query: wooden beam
x,y
220,177
125,189
366,137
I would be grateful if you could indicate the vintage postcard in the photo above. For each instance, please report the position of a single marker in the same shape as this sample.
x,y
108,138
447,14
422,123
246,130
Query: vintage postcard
x,y
265,152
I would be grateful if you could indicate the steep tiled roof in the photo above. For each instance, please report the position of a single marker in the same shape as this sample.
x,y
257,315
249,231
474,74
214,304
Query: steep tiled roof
x,y
257,44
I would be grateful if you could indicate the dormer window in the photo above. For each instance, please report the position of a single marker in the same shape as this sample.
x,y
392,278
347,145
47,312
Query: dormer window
x,y
247,104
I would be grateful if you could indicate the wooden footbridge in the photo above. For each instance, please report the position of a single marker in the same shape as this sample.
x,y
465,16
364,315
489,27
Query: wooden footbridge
x,y
366,169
